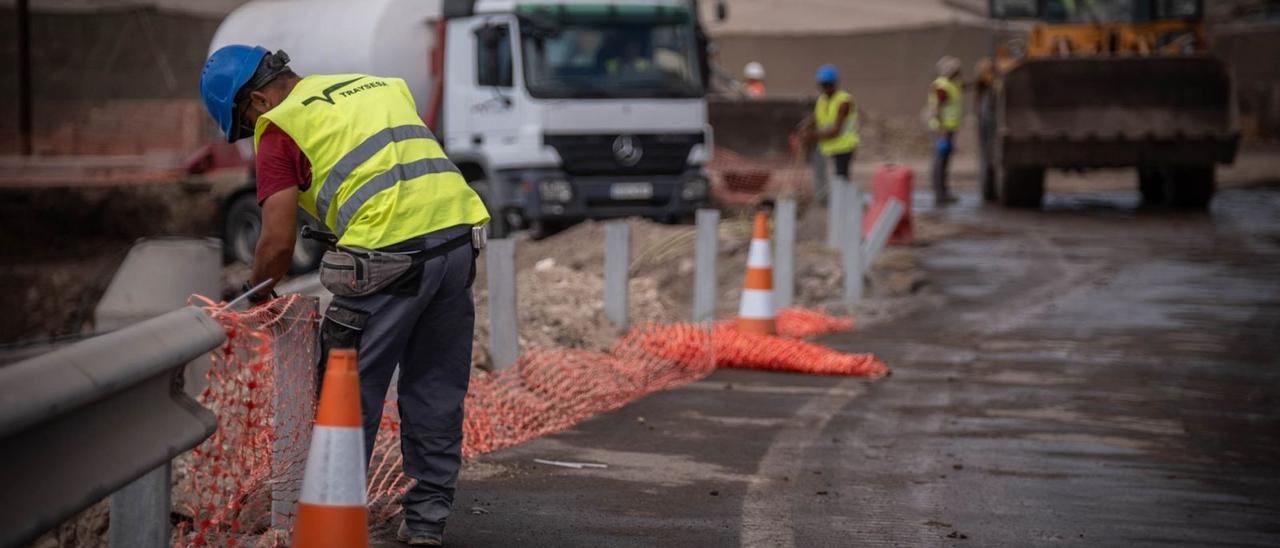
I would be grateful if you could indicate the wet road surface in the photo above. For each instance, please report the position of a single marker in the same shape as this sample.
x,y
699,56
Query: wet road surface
x,y
1098,375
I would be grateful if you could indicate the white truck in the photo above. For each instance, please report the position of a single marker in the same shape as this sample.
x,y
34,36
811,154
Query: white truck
x,y
554,110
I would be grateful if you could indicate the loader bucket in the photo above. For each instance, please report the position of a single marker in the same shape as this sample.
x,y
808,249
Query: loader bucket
x,y
1120,111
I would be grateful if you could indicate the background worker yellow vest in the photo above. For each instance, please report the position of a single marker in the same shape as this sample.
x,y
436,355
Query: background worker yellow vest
x,y
951,110
378,176
825,113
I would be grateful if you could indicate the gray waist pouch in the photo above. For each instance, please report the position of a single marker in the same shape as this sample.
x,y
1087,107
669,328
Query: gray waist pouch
x,y
351,272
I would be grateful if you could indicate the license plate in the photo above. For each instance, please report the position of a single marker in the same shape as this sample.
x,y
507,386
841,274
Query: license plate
x,y
631,191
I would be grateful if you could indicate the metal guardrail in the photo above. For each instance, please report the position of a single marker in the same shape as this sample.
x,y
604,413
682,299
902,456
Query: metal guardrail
x,y
80,422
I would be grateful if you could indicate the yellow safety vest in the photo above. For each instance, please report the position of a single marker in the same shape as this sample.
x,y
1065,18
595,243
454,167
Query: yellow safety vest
x,y
378,176
952,110
825,113
615,65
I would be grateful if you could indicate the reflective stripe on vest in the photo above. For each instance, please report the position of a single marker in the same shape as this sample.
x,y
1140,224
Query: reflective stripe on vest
x,y
378,175
951,111
825,114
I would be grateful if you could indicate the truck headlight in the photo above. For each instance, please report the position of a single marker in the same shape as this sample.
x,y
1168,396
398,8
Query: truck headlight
x,y
693,190
555,190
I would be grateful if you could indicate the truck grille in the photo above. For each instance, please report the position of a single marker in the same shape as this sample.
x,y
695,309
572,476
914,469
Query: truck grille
x,y
661,154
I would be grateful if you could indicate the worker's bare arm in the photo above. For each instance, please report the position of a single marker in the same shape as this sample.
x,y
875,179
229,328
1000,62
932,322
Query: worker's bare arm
x,y
274,253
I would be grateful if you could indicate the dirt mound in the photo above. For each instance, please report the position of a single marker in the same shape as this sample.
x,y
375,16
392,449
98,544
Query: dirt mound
x,y
560,286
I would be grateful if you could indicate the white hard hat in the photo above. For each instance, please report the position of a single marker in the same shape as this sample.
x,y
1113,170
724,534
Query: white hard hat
x,y
948,65
753,71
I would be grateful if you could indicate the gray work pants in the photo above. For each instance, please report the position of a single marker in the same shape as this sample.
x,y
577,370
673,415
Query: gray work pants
x,y
427,330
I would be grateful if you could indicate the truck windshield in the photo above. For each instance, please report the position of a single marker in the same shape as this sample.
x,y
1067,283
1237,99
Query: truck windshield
x,y
602,51
1110,11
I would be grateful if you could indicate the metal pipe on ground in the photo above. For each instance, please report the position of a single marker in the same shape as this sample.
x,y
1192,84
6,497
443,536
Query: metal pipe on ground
x,y
500,264
880,232
617,264
704,276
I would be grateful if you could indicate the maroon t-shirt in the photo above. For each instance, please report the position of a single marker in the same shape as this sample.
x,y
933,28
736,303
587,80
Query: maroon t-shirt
x,y
280,164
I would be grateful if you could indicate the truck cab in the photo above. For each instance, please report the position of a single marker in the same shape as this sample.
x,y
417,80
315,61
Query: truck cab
x,y
571,110
554,110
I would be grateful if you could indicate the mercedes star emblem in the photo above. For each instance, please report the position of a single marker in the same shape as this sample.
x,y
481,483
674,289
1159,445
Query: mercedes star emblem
x,y
627,150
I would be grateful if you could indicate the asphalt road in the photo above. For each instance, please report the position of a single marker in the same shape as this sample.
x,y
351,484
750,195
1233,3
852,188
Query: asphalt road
x,y
1097,375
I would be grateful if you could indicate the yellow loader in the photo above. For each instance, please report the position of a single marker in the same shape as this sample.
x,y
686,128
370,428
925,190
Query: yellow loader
x,y
1105,84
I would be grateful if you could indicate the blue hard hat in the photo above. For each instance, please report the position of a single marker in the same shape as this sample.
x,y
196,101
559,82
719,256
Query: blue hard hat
x,y
226,71
827,74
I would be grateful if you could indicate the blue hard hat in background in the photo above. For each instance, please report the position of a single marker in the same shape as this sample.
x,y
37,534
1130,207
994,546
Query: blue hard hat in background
x,y
827,74
226,71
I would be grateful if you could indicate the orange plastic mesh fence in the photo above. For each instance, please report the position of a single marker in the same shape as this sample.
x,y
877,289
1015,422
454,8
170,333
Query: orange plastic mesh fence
x,y
261,386
234,492
738,179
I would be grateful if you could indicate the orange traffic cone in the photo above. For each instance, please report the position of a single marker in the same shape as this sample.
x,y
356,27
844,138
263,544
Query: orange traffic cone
x,y
332,507
756,313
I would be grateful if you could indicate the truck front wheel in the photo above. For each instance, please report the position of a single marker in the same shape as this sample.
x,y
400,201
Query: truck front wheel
x,y
1151,185
240,233
1191,187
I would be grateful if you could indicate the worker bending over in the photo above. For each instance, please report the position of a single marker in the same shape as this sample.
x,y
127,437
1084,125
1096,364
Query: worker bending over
x,y
946,109
835,119
351,150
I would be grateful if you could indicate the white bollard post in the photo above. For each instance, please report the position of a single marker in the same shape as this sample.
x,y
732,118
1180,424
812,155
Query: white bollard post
x,y
500,265
851,246
617,264
836,212
704,259
880,232
784,254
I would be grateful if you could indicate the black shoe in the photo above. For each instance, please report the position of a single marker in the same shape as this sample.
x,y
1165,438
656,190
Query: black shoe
x,y
946,200
418,538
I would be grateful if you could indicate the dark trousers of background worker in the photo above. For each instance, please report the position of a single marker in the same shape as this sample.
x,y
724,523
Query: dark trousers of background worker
x,y
425,325
941,162
842,163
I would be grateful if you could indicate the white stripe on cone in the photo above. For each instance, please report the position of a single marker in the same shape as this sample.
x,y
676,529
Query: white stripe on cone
x,y
335,467
757,304
759,255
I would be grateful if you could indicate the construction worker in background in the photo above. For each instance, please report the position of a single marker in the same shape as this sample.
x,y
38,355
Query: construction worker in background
x,y
753,73
835,117
630,59
352,151
946,109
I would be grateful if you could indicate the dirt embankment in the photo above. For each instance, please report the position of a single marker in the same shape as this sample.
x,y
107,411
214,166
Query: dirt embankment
x,y
59,248
560,279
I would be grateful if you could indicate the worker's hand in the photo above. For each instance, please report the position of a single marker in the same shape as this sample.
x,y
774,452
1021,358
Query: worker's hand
x,y
259,297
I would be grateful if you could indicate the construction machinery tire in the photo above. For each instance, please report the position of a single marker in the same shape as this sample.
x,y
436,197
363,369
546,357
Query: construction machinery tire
x,y
1152,185
1022,187
988,175
1191,187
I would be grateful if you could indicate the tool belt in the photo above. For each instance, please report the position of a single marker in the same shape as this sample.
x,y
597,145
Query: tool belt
x,y
355,272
